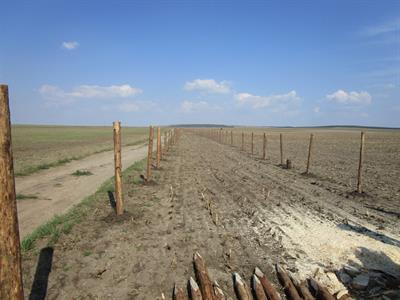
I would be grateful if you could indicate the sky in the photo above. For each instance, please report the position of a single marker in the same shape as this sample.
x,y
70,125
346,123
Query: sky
x,y
264,63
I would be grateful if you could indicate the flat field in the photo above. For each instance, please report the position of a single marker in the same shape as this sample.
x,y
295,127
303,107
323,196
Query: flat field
x,y
41,147
335,157
238,212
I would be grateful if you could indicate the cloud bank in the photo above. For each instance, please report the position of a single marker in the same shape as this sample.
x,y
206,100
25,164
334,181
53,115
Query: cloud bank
x,y
272,101
208,85
88,91
343,97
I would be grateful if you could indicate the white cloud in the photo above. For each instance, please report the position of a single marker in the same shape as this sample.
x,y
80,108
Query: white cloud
x,y
391,26
343,97
96,91
70,45
276,102
208,85
56,95
196,106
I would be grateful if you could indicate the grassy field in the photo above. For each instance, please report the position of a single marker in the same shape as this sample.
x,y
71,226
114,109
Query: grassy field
x,y
42,147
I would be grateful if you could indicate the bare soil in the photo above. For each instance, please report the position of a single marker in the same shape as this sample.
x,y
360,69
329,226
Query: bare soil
x,y
261,214
56,190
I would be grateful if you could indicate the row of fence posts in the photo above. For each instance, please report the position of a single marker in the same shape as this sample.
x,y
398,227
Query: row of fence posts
x,y
11,286
221,136
169,139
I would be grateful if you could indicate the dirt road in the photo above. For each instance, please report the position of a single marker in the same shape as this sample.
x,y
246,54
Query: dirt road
x,y
56,190
238,212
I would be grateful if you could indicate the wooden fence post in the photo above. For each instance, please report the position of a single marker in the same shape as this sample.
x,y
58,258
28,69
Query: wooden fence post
x,y
360,164
165,149
252,143
281,146
150,153
231,138
10,250
309,153
118,168
158,147
264,146
161,146
242,141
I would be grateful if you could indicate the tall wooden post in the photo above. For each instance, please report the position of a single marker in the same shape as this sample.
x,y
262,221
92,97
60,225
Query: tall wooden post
x,y
360,164
264,146
164,149
281,146
309,153
242,141
10,252
150,153
252,143
161,146
158,147
118,168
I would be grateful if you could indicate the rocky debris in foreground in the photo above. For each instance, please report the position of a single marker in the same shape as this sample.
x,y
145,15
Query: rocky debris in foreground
x,y
369,283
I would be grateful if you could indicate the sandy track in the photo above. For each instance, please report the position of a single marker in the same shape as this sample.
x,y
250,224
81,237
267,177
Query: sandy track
x,y
57,190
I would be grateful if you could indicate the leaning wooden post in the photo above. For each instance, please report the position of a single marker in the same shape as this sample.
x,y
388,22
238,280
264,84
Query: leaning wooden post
x,y
10,252
242,141
118,168
281,146
150,153
264,146
158,147
309,153
360,164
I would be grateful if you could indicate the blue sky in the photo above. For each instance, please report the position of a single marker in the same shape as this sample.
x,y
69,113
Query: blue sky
x,y
282,63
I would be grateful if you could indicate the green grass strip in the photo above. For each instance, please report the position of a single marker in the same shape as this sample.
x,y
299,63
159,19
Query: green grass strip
x,y
82,173
63,224
24,197
33,169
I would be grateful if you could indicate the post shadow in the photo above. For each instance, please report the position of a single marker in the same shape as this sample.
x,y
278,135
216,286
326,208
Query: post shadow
x,y
112,199
370,233
43,269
